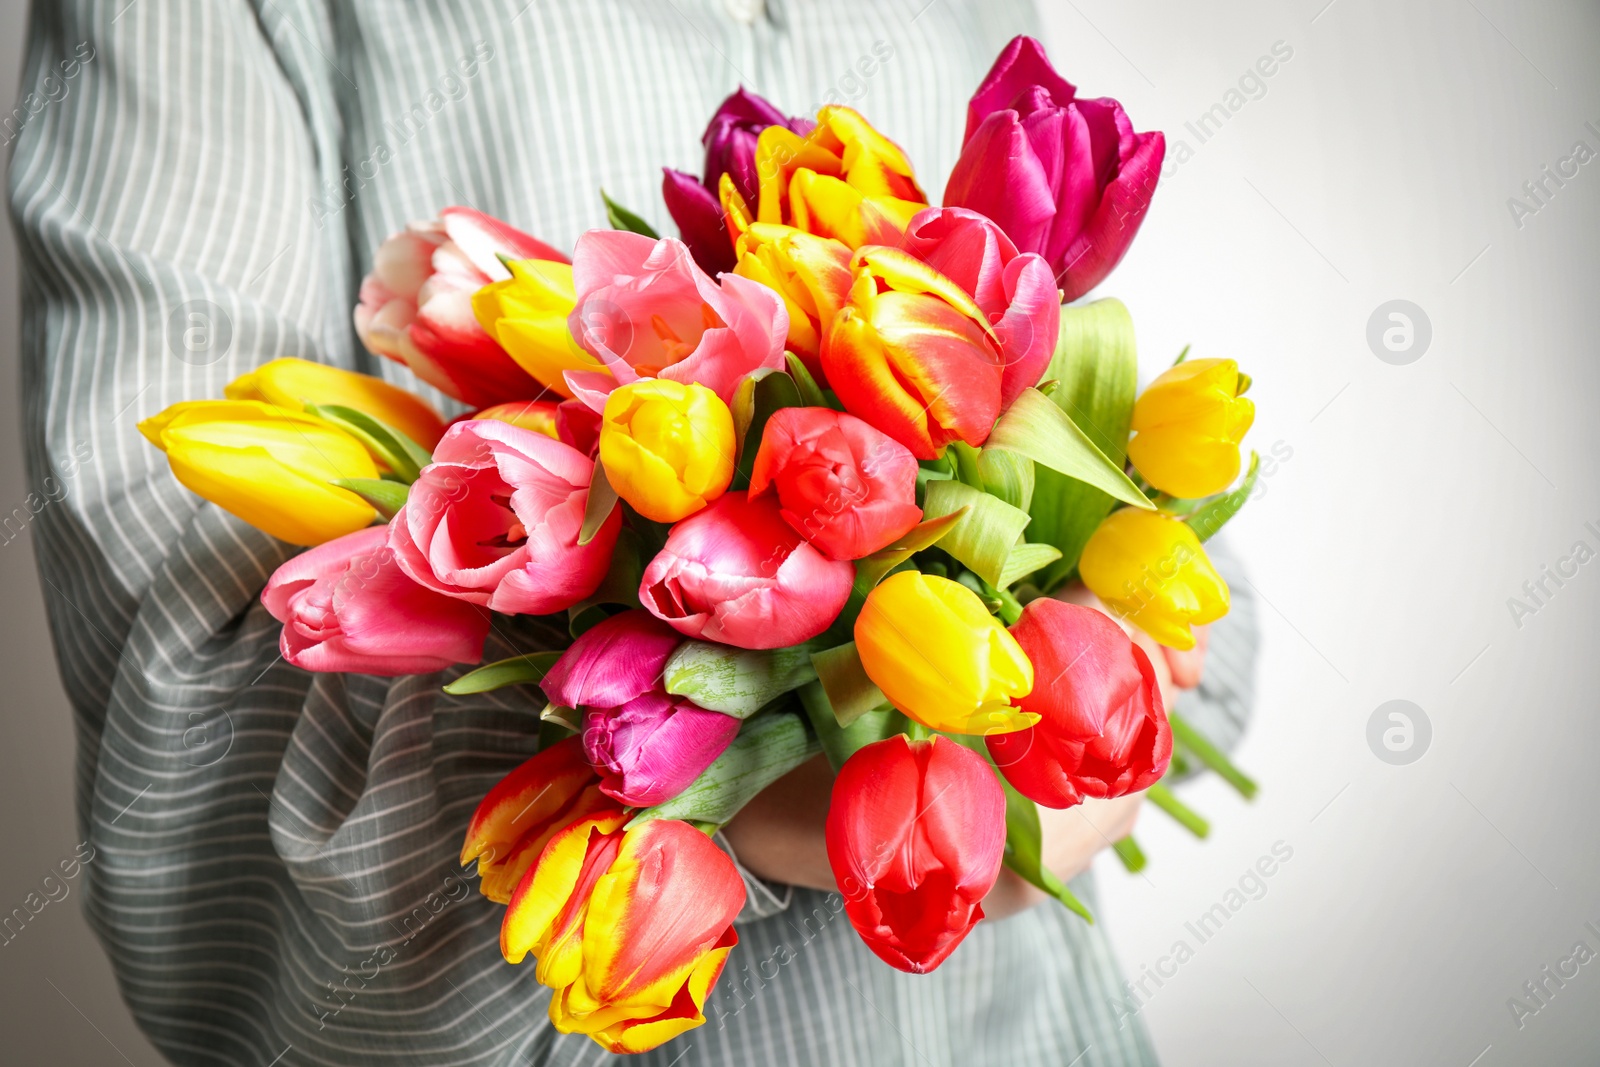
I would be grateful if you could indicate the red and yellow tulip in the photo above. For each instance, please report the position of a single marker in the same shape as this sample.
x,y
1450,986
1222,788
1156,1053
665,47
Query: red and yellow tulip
x,y
630,927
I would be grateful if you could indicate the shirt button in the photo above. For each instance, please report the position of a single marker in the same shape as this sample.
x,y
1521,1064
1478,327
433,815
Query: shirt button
x,y
745,11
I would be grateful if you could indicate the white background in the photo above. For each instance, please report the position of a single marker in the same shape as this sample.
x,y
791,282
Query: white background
x,y
1418,499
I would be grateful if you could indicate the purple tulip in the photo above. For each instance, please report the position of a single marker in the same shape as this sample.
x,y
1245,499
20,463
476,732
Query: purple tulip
x,y
612,662
730,143
651,748
1063,176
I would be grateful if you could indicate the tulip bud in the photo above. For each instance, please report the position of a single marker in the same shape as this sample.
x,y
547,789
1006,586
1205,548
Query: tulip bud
x,y
1150,571
915,834
650,748
269,466
1102,731
737,573
540,416
527,315
293,383
844,486
1188,425
612,662
525,810
941,658
667,447
347,606
630,928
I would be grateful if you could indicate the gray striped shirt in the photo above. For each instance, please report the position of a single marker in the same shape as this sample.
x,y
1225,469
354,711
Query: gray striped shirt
x,y
276,876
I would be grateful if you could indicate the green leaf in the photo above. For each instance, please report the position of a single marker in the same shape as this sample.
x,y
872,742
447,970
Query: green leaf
x,y
598,506
1213,514
1194,741
621,583
400,453
1026,558
768,747
527,669
842,742
850,692
870,570
1096,367
385,496
1025,846
1187,817
1182,356
621,218
810,392
984,537
736,681
757,397
566,718
1007,476
1034,427
582,618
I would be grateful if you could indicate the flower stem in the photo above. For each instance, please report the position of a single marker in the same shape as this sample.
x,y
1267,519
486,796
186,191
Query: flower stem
x,y
1187,817
1131,855
1212,756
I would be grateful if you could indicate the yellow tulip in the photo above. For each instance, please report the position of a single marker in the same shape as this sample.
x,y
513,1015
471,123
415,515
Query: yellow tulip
x,y
1150,571
811,273
941,658
527,315
267,465
536,415
667,447
843,180
1188,426
294,383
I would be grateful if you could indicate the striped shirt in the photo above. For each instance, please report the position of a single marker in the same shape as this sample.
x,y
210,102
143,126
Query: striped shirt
x,y
198,186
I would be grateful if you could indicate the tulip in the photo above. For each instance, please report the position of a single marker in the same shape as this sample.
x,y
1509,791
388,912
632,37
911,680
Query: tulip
x,y
1065,177
730,144
269,466
912,354
915,835
1015,291
1102,731
941,658
494,520
613,661
416,305
293,383
527,313
646,311
739,574
525,810
536,415
844,486
1150,571
667,447
811,273
648,750
347,606
1188,425
843,180
630,928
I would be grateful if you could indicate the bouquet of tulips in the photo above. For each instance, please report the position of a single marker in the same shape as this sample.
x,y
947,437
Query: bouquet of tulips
x,y
801,482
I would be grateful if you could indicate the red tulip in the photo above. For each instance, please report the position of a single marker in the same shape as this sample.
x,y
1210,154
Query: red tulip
x,y
1102,730
916,832
847,488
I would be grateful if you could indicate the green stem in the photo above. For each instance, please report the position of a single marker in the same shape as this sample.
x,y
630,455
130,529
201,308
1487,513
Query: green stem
x,y
1167,801
1131,855
839,743
1212,756
708,828
916,731
1010,606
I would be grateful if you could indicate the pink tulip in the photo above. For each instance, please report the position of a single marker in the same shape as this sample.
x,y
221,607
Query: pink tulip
x,y
612,662
736,572
416,305
1015,291
844,486
647,311
649,749
1063,176
494,520
347,606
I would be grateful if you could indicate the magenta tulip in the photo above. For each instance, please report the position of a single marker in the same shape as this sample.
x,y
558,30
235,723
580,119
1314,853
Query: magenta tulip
x,y
416,304
730,144
612,662
646,310
844,486
1064,176
649,749
736,572
1102,730
494,520
1015,291
347,606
